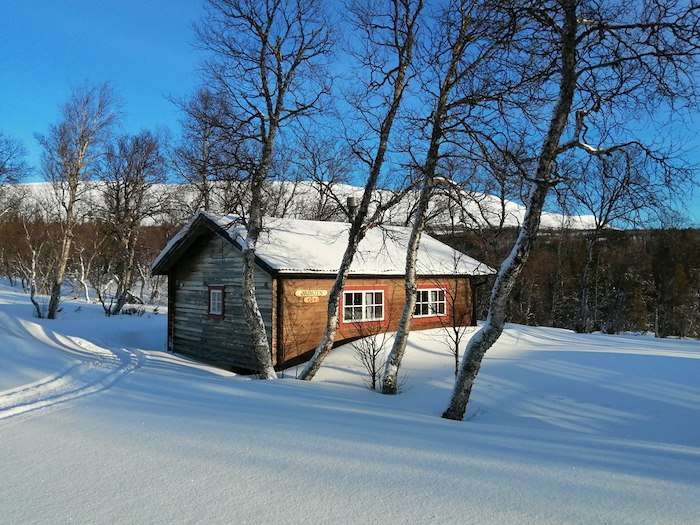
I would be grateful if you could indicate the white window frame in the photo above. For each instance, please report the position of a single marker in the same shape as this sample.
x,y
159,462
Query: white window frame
x,y
213,292
432,302
364,306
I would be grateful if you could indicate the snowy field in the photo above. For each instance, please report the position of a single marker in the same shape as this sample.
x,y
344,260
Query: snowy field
x,y
99,425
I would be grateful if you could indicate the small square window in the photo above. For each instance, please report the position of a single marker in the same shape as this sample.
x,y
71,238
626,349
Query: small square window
x,y
430,303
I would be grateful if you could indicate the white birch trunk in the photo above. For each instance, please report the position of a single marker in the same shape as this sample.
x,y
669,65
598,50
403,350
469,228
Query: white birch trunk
x,y
512,266
253,316
393,362
83,279
404,55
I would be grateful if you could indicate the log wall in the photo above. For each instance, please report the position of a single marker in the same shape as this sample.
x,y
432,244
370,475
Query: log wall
x,y
213,261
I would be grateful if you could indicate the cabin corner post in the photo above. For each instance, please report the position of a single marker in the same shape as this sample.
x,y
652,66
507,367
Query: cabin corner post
x,y
277,339
172,290
472,294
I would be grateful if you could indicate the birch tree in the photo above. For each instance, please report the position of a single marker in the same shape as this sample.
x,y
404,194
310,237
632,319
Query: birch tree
x,y
325,164
199,158
605,66
13,169
267,58
72,151
133,166
464,38
388,30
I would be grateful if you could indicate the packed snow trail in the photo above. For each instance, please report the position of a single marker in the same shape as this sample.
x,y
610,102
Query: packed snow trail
x,y
99,370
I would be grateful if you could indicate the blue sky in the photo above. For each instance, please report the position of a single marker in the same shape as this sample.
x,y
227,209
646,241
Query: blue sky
x,y
142,47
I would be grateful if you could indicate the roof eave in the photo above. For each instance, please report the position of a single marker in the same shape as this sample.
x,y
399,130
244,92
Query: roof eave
x,y
167,260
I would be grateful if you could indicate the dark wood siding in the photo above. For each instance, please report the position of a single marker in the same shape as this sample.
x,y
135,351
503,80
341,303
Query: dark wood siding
x,y
303,323
213,261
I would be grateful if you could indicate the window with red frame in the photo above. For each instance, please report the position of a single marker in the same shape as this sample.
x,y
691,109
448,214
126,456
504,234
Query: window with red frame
x,y
362,306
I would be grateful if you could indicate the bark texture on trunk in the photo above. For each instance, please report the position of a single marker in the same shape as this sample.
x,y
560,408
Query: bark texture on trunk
x,y
358,228
253,317
326,344
60,273
512,266
390,378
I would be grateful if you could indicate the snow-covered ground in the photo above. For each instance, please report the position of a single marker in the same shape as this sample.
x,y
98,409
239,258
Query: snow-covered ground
x,y
99,425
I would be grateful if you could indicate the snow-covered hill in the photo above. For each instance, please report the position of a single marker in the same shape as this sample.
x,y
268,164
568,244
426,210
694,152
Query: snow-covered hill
x,y
99,425
307,200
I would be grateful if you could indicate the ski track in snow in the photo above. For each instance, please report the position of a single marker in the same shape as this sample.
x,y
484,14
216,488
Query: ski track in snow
x,y
100,372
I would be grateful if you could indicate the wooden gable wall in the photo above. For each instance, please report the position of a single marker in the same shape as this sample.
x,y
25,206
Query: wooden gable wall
x,y
213,261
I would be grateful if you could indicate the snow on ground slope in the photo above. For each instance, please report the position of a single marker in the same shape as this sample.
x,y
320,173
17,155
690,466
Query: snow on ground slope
x,y
565,429
65,367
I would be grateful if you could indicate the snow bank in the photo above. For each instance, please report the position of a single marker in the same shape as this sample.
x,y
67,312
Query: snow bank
x,y
565,428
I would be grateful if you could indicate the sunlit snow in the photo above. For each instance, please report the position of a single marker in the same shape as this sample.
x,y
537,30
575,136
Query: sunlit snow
x,y
563,428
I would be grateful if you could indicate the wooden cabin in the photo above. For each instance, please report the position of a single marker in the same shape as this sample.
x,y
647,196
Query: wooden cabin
x,y
296,265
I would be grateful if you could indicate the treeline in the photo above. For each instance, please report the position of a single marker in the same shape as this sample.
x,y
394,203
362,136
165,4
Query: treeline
x,y
95,271
642,280
564,103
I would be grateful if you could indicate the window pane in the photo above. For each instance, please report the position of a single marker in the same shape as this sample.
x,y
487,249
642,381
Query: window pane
x,y
378,312
215,302
348,299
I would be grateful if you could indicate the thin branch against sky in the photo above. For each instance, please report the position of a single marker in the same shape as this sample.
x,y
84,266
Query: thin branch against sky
x,y
144,49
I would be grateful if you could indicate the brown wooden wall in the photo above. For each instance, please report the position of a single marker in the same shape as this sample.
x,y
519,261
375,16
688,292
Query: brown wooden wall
x,y
226,341
303,323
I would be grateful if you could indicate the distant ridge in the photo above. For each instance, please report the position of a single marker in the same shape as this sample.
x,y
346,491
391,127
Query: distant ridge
x,y
308,200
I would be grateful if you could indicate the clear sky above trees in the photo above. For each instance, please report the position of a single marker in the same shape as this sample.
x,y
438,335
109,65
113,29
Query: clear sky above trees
x,y
143,48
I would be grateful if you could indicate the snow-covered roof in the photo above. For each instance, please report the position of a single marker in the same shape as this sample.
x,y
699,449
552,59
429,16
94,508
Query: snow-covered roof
x,y
317,247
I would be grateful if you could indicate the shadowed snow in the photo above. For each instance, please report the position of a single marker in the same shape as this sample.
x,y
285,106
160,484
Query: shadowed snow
x,y
564,428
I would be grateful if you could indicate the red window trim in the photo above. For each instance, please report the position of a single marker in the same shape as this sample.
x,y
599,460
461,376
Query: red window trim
x,y
365,288
223,302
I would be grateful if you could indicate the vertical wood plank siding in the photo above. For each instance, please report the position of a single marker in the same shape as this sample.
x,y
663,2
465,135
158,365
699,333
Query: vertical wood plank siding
x,y
213,261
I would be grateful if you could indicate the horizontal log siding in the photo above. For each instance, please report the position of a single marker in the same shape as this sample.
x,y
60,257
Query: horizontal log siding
x,y
303,323
212,261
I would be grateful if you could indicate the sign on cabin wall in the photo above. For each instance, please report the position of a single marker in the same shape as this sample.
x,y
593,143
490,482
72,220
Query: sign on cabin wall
x,y
310,294
311,299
